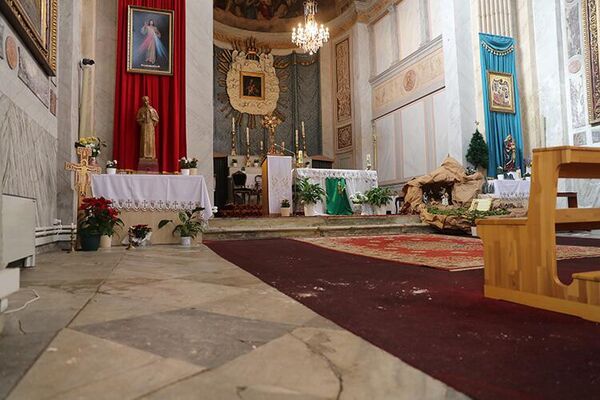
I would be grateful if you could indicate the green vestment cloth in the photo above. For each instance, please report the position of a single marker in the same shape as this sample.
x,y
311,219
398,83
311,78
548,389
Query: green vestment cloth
x,y
337,199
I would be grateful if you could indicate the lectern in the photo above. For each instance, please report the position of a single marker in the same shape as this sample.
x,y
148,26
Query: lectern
x,y
277,183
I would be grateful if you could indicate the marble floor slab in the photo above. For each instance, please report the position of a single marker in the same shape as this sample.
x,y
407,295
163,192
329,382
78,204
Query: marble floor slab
x,y
174,323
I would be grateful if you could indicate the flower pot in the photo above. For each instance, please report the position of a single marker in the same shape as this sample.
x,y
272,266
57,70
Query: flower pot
x,y
367,209
186,241
111,171
380,210
500,177
89,242
185,171
474,231
105,242
193,171
285,211
309,210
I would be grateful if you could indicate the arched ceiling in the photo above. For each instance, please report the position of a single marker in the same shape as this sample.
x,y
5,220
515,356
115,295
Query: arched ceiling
x,y
272,15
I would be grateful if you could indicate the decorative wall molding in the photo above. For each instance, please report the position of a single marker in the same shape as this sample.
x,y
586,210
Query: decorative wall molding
x,y
592,58
344,139
343,88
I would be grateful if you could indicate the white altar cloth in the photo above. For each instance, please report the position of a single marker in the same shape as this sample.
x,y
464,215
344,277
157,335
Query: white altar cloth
x,y
279,181
356,180
511,189
154,192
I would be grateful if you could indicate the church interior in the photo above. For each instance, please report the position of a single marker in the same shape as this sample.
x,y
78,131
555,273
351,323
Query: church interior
x,y
299,199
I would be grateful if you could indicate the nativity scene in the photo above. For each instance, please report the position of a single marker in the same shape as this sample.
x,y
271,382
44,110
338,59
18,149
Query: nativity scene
x,y
299,199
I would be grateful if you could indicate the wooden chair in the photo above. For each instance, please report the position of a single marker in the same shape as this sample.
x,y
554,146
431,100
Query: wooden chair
x,y
520,253
239,187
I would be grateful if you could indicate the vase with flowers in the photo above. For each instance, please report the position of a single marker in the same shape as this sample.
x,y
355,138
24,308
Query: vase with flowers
x,y
140,235
184,165
111,167
194,166
94,143
98,223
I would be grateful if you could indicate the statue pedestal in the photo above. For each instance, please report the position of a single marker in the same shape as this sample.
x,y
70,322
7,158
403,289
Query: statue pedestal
x,y
148,166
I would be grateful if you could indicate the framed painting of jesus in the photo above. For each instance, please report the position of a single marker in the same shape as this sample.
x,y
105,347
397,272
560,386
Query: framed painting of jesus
x,y
150,41
501,92
252,85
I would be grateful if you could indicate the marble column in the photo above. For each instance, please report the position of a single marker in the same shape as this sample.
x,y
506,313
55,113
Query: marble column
x,y
88,72
459,76
327,62
199,86
68,103
362,110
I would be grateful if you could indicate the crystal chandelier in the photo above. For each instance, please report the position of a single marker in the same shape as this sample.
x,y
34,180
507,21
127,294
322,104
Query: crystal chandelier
x,y
311,36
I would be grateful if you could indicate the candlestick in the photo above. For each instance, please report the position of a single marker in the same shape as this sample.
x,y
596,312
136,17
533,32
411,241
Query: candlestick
x,y
282,147
261,146
247,136
73,241
233,138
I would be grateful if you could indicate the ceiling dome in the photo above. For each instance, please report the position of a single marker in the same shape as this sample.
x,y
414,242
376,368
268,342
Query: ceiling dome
x,y
272,15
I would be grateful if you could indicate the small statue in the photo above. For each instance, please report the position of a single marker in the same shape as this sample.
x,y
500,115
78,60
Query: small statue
x,y
147,117
445,197
510,154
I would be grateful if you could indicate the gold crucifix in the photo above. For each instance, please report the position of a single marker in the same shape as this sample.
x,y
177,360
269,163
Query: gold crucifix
x,y
83,172
271,122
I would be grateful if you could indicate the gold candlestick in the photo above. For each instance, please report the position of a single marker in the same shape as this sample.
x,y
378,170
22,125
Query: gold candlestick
x,y
72,240
271,122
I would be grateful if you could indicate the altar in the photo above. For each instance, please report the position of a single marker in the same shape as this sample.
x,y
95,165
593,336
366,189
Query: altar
x,y
357,181
148,199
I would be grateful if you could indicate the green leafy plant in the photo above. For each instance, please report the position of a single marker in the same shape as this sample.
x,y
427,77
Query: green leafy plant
x,y
285,203
478,153
310,193
193,163
378,196
191,223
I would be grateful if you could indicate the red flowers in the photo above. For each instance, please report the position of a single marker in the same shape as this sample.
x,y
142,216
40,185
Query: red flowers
x,y
99,216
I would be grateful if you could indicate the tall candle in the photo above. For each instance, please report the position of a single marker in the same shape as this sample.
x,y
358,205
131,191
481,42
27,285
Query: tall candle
x,y
261,146
296,139
248,136
302,128
233,124
368,158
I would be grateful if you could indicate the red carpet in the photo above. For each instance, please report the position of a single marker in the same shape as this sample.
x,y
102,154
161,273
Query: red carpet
x,y
452,253
437,321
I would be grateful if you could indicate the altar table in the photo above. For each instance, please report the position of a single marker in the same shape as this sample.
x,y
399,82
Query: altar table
x,y
356,180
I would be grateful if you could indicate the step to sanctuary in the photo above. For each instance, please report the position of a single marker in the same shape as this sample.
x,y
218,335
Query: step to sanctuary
x,y
284,227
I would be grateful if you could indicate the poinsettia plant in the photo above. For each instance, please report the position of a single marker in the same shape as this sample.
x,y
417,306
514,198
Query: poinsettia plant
x,y
99,216
140,231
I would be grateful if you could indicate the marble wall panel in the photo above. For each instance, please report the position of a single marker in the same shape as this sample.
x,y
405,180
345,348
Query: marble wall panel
x,y
435,18
382,44
28,159
387,134
409,27
440,117
414,140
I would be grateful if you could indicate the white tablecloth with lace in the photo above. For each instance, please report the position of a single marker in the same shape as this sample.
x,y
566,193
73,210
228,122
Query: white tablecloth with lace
x,y
511,189
356,180
154,192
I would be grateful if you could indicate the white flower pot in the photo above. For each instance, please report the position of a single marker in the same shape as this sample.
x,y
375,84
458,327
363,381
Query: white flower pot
x,y
186,241
474,231
105,242
193,171
367,209
501,177
285,211
111,171
381,210
185,171
309,210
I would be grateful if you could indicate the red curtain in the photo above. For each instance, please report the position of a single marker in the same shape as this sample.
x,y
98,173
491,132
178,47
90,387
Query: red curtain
x,y
167,95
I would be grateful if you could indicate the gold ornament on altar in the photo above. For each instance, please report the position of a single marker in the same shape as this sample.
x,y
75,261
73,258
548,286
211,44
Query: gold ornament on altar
x,y
83,172
252,85
271,122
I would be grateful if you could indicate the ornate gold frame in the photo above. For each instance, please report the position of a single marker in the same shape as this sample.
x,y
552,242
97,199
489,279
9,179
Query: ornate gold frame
x,y
508,110
171,14
592,54
262,85
43,47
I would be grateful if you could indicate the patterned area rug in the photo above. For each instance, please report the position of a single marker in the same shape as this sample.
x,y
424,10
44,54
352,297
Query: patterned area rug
x,y
450,253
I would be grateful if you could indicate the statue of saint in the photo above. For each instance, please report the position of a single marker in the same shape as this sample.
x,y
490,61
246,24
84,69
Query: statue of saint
x,y
510,154
147,117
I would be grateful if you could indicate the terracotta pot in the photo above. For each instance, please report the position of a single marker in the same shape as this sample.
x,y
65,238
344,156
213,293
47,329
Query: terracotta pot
x,y
193,171
185,171
105,242
285,211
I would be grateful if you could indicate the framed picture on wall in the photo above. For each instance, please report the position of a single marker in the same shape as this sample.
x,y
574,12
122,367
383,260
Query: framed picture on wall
x,y
36,23
501,92
150,41
252,85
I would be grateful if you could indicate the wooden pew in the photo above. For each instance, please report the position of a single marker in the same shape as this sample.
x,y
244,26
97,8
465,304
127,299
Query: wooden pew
x,y
520,253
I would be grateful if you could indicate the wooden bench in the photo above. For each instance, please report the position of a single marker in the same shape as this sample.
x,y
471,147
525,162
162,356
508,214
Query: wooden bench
x,y
520,253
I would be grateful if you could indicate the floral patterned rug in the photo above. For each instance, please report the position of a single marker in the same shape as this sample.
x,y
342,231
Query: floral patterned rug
x,y
450,253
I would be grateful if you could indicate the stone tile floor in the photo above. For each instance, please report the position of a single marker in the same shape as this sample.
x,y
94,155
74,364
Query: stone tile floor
x,y
175,323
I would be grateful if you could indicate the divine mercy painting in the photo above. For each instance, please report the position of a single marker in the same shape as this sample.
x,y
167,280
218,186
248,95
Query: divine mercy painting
x,y
150,41
501,92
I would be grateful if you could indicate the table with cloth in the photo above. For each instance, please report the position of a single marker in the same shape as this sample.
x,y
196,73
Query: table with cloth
x,y
340,185
510,189
148,199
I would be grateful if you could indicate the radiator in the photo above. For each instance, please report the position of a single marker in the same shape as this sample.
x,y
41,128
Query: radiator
x,y
18,230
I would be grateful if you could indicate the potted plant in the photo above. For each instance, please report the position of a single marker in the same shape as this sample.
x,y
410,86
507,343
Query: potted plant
x,y
184,166
285,208
190,226
478,153
500,173
357,199
310,194
98,223
378,198
140,235
194,166
234,163
111,167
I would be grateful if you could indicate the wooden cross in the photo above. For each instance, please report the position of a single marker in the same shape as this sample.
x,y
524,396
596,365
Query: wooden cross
x,y
83,172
